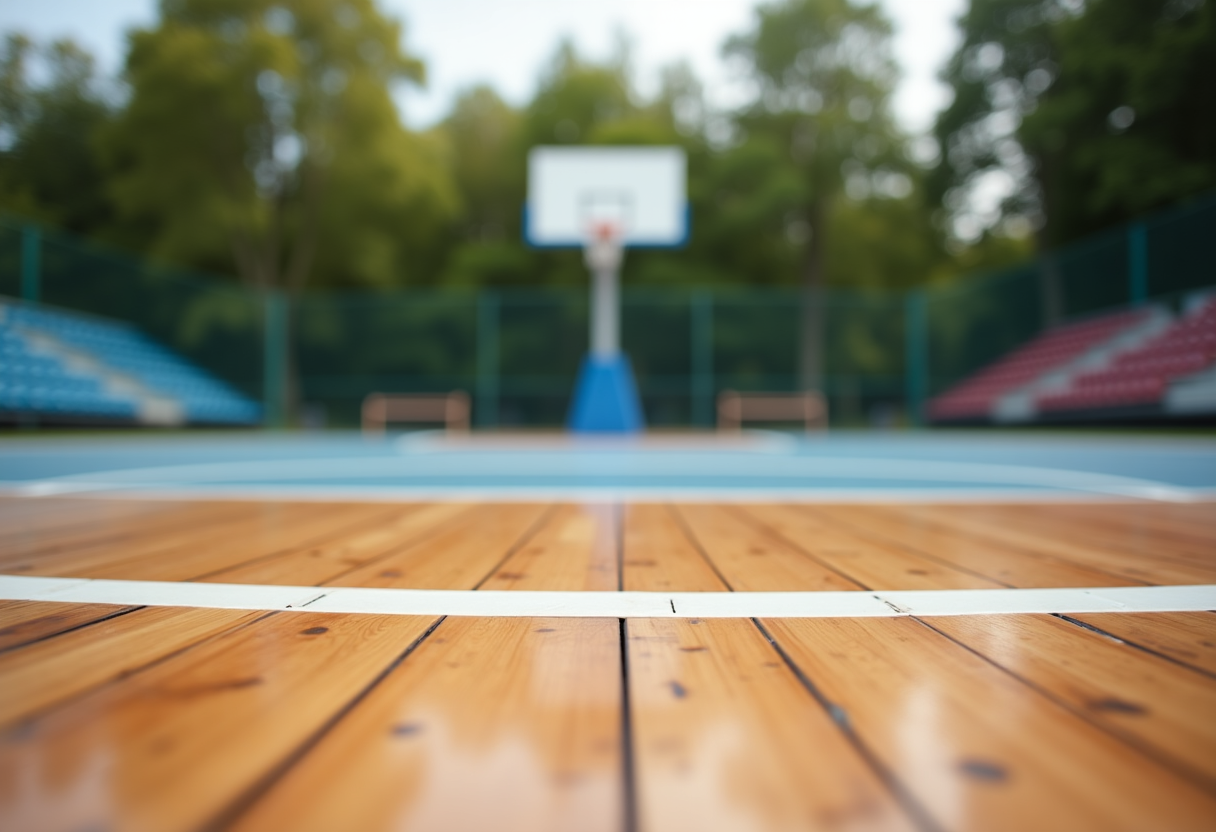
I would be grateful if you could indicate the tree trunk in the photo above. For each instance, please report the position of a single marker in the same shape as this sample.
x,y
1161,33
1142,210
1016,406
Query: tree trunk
x,y
1051,284
298,265
810,351
275,261
292,385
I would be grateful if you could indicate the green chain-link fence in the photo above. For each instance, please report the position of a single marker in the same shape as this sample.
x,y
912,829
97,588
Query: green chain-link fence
x,y
517,351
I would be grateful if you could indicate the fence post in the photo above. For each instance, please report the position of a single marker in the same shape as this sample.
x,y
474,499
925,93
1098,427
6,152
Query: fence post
x,y
916,354
487,359
274,357
701,348
1051,288
1137,263
31,263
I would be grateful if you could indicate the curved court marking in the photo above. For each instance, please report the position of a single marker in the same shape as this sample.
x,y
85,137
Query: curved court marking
x,y
585,494
542,465
489,603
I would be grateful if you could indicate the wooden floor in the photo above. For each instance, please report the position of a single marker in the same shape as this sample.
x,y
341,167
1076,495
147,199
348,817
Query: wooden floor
x,y
163,718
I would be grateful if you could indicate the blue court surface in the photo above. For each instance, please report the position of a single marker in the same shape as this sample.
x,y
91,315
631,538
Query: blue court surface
x,y
754,465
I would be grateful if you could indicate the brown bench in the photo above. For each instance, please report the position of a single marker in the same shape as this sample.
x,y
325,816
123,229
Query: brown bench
x,y
450,408
735,408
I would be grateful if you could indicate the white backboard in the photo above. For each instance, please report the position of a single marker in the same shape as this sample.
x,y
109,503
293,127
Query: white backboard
x,y
640,189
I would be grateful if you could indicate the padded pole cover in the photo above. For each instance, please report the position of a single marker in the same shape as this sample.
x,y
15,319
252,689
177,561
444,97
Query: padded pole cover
x,y
606,398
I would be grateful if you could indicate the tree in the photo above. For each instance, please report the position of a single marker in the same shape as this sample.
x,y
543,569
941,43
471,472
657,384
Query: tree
x,y
262,135
1080,115
1128,125
482,133
485,149
825,75
576,97
49,169
1005,61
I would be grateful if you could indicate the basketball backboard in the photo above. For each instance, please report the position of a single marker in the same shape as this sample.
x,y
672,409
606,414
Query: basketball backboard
x,y
573,190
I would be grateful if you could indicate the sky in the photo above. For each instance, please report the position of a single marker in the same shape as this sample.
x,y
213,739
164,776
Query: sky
x,y
505,44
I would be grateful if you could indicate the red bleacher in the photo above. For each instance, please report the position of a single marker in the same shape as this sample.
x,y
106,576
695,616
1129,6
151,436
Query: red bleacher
x,y
1141,376
975,396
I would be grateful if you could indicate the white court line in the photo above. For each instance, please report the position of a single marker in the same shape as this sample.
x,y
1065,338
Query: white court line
x,y
611,604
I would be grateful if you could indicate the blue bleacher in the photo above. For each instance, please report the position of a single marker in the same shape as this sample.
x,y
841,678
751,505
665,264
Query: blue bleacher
x,y
35,383
42,384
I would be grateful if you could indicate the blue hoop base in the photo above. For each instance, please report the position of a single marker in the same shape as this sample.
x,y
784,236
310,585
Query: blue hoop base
x,y
606,398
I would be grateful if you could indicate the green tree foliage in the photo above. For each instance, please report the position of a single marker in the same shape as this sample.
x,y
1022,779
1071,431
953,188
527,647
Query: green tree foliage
x,y
825,76
1128,126
260,138
1005,61
575,98
484,146
49,170
1082,114
261,134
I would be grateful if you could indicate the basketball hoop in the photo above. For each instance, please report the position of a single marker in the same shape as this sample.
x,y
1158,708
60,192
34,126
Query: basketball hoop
x,y
604,231
603,247
601,199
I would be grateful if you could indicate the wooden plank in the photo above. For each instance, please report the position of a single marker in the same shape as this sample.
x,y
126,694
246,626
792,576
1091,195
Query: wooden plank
x,y
20,516
977,748
327,560
132,542
1171,532
725,738
1152,703
192,561
724,735
658,556
504,724
55,670
1100,530
872,564
1007,565
282,691
176,746
1197,520
23,515
751,560
191,556
455,558
575,550
1186,637
23,508
22,622
492,723
113,534
1068,546
1105,560
74,524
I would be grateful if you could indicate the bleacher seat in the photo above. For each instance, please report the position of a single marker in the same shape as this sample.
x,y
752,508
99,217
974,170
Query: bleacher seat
x,y
39,383
1141,376
975,397
30,382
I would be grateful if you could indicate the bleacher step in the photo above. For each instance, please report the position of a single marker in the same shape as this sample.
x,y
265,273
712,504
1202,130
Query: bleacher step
x,y
1195,393
152,407
1019,405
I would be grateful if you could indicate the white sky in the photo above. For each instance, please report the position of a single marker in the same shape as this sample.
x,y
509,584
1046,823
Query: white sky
x,y
505,43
